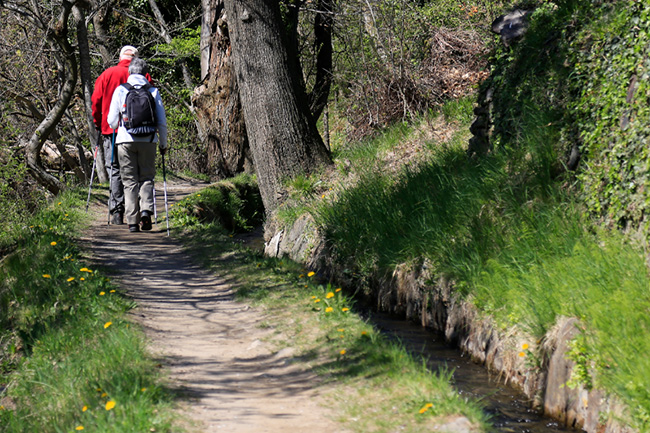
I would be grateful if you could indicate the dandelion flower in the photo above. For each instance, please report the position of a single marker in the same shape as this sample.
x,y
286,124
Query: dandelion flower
x,y
524,346
53,243
104,394
143,389
110,405
82,279
424,409
317,300
313,297
46,276
330,295
85,408
341,330
345,309
79,427
364,333
102,293
338,290
329,309
112,291
70,279
107,324
301,275
311,274
343,352
522,354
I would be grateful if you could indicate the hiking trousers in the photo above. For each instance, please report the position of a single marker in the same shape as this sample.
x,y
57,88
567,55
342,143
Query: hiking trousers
x,y
138,167
116,196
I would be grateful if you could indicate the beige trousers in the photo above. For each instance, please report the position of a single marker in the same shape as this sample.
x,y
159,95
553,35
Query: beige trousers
x,y
138,169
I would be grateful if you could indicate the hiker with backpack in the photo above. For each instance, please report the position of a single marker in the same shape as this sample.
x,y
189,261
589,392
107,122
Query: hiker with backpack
x,y
105,85
137,112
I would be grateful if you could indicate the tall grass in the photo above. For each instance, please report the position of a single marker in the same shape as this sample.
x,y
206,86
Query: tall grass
x,y
515,242
69,357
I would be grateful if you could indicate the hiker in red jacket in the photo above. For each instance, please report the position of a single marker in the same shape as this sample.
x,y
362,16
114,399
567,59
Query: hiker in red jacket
x,y
105,85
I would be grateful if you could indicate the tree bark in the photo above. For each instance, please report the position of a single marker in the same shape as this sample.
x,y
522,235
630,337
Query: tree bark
x,y
323,23
283,136
218,106
207,20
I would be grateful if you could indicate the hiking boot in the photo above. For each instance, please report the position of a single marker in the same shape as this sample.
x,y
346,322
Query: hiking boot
x,y
118,218
146,221
134,228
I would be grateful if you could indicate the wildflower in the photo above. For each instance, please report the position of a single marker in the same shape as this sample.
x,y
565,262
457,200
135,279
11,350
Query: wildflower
x,y
53,243
329,295
301,275
79,427
345,309
112,291
338,290
104,394
70,279
85,270
343,352
311,274
524,346
59,203
85,408
329,309
317,300
322,196
102,293
107,324
522,354
110,405
426,407
82,279
46,276
364,333
143,389
340,329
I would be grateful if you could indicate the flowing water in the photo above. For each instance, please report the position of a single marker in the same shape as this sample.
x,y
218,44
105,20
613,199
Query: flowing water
x,y
510,409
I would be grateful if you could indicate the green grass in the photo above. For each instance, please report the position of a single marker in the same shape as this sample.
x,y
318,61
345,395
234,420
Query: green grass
x,y
66,346
374,380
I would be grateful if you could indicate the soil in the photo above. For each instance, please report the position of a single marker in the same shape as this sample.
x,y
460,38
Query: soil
x,y
221,361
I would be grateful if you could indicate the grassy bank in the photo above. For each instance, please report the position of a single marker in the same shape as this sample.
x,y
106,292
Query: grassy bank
x,y
69,358
378,386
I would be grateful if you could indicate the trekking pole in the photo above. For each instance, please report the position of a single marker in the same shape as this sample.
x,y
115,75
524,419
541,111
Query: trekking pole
x,y
155,211
110,179
92,172
165,189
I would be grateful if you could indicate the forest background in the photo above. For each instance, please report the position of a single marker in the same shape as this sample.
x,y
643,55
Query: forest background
x,y
552,208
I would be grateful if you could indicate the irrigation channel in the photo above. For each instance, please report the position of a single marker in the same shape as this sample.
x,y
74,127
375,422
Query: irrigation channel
x,y
509,408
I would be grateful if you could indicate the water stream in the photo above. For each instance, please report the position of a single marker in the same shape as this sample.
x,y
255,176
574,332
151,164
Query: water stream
x,y
509,408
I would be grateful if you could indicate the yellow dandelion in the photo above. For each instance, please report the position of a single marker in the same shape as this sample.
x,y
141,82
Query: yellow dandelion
x,y
524,346
2,407
311,274
322,196
343,352
317,300
59,203
53,243
104,394
107,324
85,408
85,270
522,354
143,389
330,295
301,275
70,279
112,291
82,279
341,330
424,409
79,427
345,309
313,297
306,286
364,333
338,290
99,389
102,293
329,309
46,276
110,405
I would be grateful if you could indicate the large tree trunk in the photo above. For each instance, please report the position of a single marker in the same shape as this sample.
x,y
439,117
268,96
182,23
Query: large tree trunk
x,y
282,134
323,24
217,103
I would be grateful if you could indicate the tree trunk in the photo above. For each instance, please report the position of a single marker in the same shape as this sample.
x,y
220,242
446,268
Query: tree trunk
x,y
207,20
57,35
282,134
100,20
217,104
323,24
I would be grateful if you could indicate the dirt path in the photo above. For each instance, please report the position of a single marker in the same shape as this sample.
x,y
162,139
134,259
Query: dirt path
x,y
212,346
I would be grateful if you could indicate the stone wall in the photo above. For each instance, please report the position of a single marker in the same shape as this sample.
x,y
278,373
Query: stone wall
x,y
417,295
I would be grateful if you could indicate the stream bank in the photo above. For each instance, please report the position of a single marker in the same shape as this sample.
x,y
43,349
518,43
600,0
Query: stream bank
x,y
416,295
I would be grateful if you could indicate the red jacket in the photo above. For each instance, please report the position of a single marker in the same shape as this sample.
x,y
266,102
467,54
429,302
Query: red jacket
x,y
105,85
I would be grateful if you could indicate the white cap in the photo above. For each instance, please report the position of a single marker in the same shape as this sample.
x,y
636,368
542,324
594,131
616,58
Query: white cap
x,y
126,48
